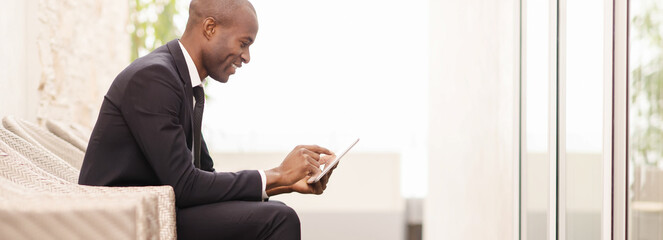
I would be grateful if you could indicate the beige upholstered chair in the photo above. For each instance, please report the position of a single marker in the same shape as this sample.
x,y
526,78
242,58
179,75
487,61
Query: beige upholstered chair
x,y
80,131
28,214
67,133
40,156
31,174
41,137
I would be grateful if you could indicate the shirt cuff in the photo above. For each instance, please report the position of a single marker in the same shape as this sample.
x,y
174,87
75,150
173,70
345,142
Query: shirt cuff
x,y
264,184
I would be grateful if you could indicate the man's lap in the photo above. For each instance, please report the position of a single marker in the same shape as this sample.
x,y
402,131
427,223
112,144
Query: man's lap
x,y
238,220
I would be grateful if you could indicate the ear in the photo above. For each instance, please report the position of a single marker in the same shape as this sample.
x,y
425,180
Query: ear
x,y
208,27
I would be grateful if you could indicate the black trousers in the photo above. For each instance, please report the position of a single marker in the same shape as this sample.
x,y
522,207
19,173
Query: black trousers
x,y
239,220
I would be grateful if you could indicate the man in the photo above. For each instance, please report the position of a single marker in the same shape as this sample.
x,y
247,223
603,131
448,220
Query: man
x,y
148,133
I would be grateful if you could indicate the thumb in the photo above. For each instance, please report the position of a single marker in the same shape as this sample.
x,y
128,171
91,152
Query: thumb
x,y
310,179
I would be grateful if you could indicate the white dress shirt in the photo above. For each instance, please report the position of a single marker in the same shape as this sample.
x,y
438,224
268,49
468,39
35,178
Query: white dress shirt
x,y
195,82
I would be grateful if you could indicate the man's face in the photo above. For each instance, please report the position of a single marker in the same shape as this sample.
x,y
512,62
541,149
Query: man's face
x,y
228,48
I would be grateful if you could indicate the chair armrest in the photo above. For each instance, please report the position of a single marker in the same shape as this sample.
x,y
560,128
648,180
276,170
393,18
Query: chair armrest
x,y
79,216
166,205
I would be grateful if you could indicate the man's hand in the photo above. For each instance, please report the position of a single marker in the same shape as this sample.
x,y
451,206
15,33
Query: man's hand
x,y
301,162
326,160
317,188
302,186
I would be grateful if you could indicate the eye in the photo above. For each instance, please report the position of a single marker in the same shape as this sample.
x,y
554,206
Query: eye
x,y
244,44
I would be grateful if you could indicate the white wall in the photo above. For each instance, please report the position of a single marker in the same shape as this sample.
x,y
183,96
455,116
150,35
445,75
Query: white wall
x,y
473,136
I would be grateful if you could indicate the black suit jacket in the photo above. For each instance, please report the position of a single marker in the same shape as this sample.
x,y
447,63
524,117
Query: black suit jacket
x,y
143,136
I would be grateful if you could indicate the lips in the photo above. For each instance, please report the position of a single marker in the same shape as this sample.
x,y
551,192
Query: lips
x,y
232,69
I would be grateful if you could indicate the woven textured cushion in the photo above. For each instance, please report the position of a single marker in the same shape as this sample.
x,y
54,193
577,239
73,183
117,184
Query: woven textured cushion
x,y
42,137
66,133
40,156
26,214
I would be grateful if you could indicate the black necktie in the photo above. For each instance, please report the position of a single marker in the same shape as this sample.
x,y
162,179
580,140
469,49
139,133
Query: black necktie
x,y
199,95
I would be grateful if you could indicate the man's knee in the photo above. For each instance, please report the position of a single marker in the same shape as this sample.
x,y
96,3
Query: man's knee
x,y
285,213
284,221
291,215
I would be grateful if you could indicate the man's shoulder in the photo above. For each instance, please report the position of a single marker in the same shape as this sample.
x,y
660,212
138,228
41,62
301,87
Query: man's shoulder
x,y
159,62
157,67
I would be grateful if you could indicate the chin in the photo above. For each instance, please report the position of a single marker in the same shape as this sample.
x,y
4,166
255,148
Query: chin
x,y
222,79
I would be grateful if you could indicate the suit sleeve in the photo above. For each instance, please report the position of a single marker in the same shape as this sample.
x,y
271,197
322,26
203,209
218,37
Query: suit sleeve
x,y
206,162
151,107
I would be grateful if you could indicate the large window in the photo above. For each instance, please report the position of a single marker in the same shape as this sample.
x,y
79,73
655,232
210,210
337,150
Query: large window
x,y
583,75
327,73
564,84
536,85
645,153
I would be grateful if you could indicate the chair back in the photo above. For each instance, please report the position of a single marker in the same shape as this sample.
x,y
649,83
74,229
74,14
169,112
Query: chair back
x,y
41,137
41,157
67,133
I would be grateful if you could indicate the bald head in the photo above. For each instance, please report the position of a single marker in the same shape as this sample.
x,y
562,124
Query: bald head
x,y
221,10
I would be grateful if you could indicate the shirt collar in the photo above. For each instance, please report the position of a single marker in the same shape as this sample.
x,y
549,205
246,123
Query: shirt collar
x,y
193,71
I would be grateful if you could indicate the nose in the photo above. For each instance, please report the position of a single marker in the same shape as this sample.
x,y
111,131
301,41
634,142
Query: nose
x,y
246,56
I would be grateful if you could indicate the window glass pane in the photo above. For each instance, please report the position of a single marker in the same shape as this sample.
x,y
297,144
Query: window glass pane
x,y
584,118
645,196
328,75
536,160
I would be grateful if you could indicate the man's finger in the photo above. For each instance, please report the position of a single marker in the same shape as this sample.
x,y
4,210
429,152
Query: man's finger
x,y
318,149
325,179
317,188
314,155
313,167
313,162
327,159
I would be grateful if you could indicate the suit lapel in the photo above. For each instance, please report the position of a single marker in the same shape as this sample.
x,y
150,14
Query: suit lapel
x,y
180,62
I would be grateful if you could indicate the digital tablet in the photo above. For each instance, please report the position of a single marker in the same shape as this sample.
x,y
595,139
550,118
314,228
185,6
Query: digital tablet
x,y
331,165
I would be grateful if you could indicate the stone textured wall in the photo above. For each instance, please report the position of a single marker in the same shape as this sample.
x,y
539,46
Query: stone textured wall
x,y
82,45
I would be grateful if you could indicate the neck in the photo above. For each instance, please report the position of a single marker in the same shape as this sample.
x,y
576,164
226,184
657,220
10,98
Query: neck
x,y
196,54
